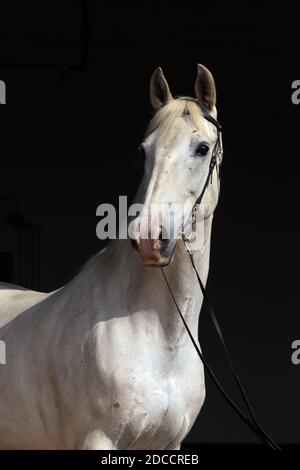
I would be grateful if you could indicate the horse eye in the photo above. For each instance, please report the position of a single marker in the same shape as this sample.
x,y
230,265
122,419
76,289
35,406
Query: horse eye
x,y
141,151
202,150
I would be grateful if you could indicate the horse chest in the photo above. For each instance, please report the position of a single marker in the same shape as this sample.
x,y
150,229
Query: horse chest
x,y
149,415
154,405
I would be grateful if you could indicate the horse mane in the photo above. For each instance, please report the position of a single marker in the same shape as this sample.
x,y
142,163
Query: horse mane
x,y
165,118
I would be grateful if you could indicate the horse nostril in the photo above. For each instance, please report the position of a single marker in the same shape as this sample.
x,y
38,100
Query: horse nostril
x,y
164,240
134,244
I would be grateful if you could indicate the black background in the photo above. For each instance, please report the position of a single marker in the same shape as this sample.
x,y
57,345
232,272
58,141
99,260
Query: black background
x,y
77,76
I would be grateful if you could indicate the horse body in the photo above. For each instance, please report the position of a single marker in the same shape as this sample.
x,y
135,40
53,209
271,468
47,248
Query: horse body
x,y
114,365
105,362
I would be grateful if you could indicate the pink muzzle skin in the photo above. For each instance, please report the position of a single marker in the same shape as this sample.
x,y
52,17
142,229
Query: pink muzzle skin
x,y
150,252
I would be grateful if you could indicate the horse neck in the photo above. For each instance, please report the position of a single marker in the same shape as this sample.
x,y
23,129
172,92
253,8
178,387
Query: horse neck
x,y
143,289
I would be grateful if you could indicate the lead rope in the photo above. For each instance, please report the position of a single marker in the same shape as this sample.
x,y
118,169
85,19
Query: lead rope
x,y
254,426
252,423
233,370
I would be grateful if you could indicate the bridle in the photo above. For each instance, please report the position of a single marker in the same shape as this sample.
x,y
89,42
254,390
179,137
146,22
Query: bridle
x,y
216,157
217,154
251,421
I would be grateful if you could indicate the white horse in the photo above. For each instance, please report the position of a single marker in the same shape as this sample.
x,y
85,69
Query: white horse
x,y
105,362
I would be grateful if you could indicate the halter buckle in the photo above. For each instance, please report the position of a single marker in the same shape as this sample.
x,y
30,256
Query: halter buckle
x,y
186,242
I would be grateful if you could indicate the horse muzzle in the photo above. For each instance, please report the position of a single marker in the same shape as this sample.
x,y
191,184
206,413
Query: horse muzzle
x,y
155,252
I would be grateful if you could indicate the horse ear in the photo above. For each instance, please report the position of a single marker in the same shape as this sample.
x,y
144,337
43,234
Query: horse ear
x,y
205,88
159,89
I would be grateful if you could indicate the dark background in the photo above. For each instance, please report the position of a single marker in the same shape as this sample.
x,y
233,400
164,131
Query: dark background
x,y
77,76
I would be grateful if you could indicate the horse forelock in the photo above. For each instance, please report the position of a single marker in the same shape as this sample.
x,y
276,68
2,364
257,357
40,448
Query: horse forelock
x,y
166,117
